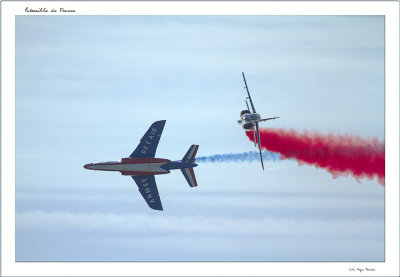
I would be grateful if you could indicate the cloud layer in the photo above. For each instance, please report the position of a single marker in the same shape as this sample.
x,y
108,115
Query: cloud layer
x,y
142,223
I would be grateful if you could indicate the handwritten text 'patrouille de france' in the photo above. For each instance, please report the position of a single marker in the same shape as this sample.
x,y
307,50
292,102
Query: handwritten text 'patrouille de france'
x,y
45,10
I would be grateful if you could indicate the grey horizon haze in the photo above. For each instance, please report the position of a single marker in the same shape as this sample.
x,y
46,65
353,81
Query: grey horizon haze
x,y
88,87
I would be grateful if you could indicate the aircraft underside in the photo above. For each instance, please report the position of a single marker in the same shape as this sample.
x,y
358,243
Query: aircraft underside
x,y
141,165
138,168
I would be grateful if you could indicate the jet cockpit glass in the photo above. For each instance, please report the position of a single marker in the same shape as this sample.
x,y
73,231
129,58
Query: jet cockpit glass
x,y
251,117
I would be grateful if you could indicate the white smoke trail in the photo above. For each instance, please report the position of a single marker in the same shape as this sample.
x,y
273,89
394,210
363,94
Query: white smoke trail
x,y
250,156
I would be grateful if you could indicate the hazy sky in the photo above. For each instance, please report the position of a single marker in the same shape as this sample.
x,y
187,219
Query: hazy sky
x,y
88,87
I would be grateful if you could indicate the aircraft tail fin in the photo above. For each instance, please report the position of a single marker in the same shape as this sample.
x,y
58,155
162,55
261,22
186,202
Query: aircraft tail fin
x,y
189,172
191,153
189,176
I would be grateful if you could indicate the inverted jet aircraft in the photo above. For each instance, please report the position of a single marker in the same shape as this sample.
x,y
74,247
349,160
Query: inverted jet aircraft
x,y
249,120
142,166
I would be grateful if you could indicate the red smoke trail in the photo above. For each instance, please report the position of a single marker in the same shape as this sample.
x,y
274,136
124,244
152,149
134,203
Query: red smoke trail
x,y
341,155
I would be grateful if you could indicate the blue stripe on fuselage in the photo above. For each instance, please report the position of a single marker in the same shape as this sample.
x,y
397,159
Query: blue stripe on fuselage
x,y
178,165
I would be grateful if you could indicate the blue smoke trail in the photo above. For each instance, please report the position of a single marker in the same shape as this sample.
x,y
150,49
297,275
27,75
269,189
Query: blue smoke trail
x,y
250,156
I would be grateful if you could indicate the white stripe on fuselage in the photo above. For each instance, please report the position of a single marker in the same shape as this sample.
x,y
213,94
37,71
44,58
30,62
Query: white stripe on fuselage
x,y
147,167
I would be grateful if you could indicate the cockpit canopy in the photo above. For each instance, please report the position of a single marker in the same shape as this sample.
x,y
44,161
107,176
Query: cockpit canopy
x,y
250,117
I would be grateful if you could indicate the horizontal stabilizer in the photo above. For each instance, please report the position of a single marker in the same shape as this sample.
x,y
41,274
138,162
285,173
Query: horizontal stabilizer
x,y
191,153
189,176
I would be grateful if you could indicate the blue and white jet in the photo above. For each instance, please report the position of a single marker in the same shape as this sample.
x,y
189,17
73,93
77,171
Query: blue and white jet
x,y
142,166
249,120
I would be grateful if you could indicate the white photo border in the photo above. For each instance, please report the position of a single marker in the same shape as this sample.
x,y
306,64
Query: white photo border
x,y
390,9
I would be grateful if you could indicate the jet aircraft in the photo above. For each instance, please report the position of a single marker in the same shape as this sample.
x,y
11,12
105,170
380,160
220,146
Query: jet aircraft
x,y
142,166
249,120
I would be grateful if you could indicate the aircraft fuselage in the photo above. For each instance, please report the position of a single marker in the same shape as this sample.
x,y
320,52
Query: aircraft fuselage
x,y
250,118
141,166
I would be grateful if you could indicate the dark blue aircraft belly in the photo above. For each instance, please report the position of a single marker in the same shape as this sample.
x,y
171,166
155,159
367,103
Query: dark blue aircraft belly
x,y
178,165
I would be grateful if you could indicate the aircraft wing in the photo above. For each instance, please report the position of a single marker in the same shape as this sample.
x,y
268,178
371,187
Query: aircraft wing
x,y
248,93
148,189
149,142
259,144
269,118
